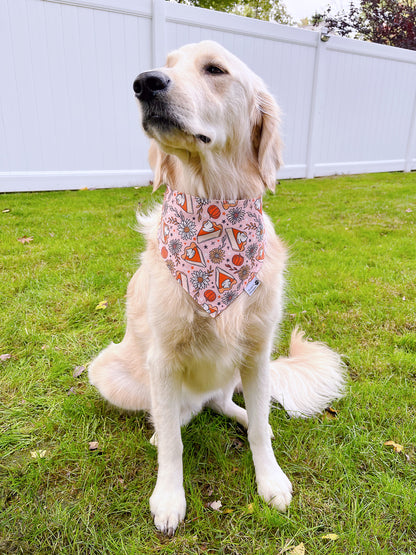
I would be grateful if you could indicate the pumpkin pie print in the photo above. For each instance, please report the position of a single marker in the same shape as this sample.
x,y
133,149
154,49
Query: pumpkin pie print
x,y
212,310
258,205
194,255
198,235
260,254
185,202
183,280
209,230
237,238
228,203
165,232
223,280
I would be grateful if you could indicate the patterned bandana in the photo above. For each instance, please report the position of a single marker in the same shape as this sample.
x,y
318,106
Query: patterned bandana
x,y
213,248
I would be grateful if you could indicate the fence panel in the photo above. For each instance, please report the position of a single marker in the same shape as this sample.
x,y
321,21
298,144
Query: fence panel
x,y
68,118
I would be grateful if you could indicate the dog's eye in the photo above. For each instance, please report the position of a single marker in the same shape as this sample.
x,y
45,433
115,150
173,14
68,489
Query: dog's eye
x,y
214,70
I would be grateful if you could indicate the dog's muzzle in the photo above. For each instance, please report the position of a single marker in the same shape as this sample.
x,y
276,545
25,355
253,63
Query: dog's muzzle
x,y
150,88
150,85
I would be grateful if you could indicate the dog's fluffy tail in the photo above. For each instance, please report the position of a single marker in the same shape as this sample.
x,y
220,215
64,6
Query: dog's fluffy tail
x,y
309,379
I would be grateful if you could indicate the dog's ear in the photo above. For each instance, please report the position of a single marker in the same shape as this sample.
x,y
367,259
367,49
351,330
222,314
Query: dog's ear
x,y
155,161
266,138
164,166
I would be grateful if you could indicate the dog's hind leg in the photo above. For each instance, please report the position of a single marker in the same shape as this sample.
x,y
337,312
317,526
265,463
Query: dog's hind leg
x,y
224,404
118,374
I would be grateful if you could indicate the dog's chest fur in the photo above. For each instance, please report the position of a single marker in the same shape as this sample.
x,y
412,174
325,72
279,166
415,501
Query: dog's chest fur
x,y
204,350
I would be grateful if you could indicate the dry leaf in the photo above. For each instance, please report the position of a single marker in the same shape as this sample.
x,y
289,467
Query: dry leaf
x,y
298,550
216,505
332,537
396,446
228,511
250,508
102,305
331,413
25,239
93,445
38,454
78,370
5,357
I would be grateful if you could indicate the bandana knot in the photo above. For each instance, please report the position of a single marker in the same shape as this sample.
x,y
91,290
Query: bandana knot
x,y
213,248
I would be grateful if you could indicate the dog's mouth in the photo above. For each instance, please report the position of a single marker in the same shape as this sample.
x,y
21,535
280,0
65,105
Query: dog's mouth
x,y
158,118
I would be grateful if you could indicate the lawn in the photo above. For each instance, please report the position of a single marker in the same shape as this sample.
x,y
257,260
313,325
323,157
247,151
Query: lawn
x,y
351,283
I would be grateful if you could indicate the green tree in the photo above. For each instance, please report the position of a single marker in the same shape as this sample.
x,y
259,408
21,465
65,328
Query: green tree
x,y
268,10
390,22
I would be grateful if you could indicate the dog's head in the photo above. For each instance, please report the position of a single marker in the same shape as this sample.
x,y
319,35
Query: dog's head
x,y
206,101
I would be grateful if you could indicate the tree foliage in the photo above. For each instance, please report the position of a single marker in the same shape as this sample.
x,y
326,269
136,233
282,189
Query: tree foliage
x,y
391,22
269,10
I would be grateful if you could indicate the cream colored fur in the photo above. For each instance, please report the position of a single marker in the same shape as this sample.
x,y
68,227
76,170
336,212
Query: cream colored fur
x,y
175,359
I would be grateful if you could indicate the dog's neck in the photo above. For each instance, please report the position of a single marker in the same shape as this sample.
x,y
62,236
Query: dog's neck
x,y
218,176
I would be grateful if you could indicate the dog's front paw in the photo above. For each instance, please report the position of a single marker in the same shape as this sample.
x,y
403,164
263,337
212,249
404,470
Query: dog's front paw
x,y
276,489
168,508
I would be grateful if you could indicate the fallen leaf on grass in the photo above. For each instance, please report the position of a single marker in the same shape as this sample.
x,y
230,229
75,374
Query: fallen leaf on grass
x,y
331,413
78,370
298,550
215,505
228,511
396,446
5,357
25,239
93,445
250,508
38,454
102,305
332,537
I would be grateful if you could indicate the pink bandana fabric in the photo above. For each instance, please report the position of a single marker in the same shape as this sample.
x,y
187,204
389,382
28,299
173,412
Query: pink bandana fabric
x,y
213,248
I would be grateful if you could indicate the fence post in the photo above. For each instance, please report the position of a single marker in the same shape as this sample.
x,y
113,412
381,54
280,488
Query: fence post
x,y
322,38
158,33
411,140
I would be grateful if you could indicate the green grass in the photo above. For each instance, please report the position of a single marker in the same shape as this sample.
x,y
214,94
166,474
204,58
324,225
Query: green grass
x,y
351,283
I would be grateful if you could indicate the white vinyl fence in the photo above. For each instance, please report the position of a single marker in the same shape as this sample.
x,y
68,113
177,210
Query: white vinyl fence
x,y
68,117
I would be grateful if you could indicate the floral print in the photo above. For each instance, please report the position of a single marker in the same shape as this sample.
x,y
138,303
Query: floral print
x,y
235,214
186,228
229,297
200,279
244,272
213,248
217,255
251,251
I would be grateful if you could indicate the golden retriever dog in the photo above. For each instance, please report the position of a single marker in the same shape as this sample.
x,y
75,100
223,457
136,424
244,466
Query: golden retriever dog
x,y
204,306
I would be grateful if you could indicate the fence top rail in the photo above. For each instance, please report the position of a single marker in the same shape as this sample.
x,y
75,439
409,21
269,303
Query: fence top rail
x,y
141,8
190,15
370,49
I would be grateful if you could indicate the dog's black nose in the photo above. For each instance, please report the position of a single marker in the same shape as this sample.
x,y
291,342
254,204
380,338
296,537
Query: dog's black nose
x,y
150,83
